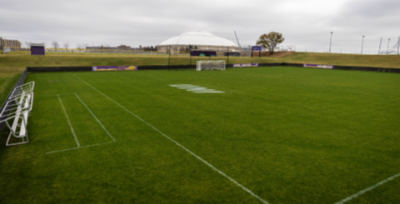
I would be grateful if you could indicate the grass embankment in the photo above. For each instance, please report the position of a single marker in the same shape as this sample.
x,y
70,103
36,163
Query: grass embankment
x,y
383,61
12,64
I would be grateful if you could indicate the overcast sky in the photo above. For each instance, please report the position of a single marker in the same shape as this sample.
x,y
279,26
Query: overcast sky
x,y
307,24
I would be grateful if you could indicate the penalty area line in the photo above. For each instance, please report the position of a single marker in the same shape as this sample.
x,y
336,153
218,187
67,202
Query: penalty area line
x,y
184,148
81,147
368,189
69,122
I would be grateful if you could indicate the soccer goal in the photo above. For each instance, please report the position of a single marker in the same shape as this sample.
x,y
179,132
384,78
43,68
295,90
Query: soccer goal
x,y
210,65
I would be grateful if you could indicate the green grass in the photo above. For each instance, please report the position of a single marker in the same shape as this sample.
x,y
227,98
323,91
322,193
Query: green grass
x,y
15,63
290,135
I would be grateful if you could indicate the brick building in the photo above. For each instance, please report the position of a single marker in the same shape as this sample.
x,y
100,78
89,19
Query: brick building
x,y
9,43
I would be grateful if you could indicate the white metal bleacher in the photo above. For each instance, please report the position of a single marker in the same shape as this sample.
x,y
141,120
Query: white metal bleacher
x,y
16,111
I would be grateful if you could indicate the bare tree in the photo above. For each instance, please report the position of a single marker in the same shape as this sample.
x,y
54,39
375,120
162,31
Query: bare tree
x,y
66,45
270,41
55,44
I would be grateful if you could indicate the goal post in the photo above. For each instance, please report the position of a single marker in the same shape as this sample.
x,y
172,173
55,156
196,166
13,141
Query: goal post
x,y
210,65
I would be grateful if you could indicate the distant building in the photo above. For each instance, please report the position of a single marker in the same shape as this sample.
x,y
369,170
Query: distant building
x,y
124,47
9,43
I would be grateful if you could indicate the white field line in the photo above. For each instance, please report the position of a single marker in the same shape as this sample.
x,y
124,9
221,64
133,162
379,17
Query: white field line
x,y
69,122
368,189
64,150
109,134
184,148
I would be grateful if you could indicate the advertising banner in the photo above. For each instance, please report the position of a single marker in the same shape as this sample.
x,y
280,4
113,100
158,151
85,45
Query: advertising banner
x,y
256,48
246,65
114,68
320,66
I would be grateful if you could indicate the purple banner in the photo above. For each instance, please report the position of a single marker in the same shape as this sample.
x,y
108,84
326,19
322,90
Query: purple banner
x,y
256,48
37,50
246,65
114,68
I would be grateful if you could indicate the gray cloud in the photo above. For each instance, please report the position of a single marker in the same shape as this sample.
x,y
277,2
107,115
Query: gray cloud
x,y
306,24
373,8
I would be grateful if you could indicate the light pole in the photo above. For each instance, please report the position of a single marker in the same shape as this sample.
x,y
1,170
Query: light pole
x,y
330,44
362,44
387,51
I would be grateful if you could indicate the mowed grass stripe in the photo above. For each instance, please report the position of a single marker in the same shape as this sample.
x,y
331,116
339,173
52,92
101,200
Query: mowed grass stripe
x,y
135,145
102,126
292,135
72,130
368,189
300,129
187,150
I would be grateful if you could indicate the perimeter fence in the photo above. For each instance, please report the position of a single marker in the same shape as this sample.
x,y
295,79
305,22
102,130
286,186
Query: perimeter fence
x,y
244,51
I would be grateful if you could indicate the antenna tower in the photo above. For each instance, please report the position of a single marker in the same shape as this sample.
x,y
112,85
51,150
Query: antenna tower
x,y
237,38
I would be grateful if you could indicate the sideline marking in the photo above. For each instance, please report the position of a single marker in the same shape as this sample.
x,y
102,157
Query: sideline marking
x,y
109,134
69,123
184,148
64,150
368,189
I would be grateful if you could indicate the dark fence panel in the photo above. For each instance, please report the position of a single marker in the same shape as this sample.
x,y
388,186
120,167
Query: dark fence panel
x,y
19,83
206,53
164,67
58,69
193,66
374,69
280,64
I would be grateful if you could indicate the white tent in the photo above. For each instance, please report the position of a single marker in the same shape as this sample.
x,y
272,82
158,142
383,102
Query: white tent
x,y
198,38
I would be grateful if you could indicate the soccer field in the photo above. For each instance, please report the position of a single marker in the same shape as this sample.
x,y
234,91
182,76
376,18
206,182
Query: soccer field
x,y
245,135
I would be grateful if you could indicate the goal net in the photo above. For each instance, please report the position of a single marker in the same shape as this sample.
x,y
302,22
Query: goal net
x,y
210,65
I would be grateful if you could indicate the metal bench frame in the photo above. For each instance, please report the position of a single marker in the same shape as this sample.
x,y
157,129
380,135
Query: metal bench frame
x,y
16,112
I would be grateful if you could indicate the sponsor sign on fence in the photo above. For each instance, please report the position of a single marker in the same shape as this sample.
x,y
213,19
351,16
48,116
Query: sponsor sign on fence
x,y
114,68
246,65
256,48
320,66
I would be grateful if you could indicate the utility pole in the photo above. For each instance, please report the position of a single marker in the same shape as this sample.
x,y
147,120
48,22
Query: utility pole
x,y
330,44
169,57
362,44
209,53
379,51
398,44
227,55
387,51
